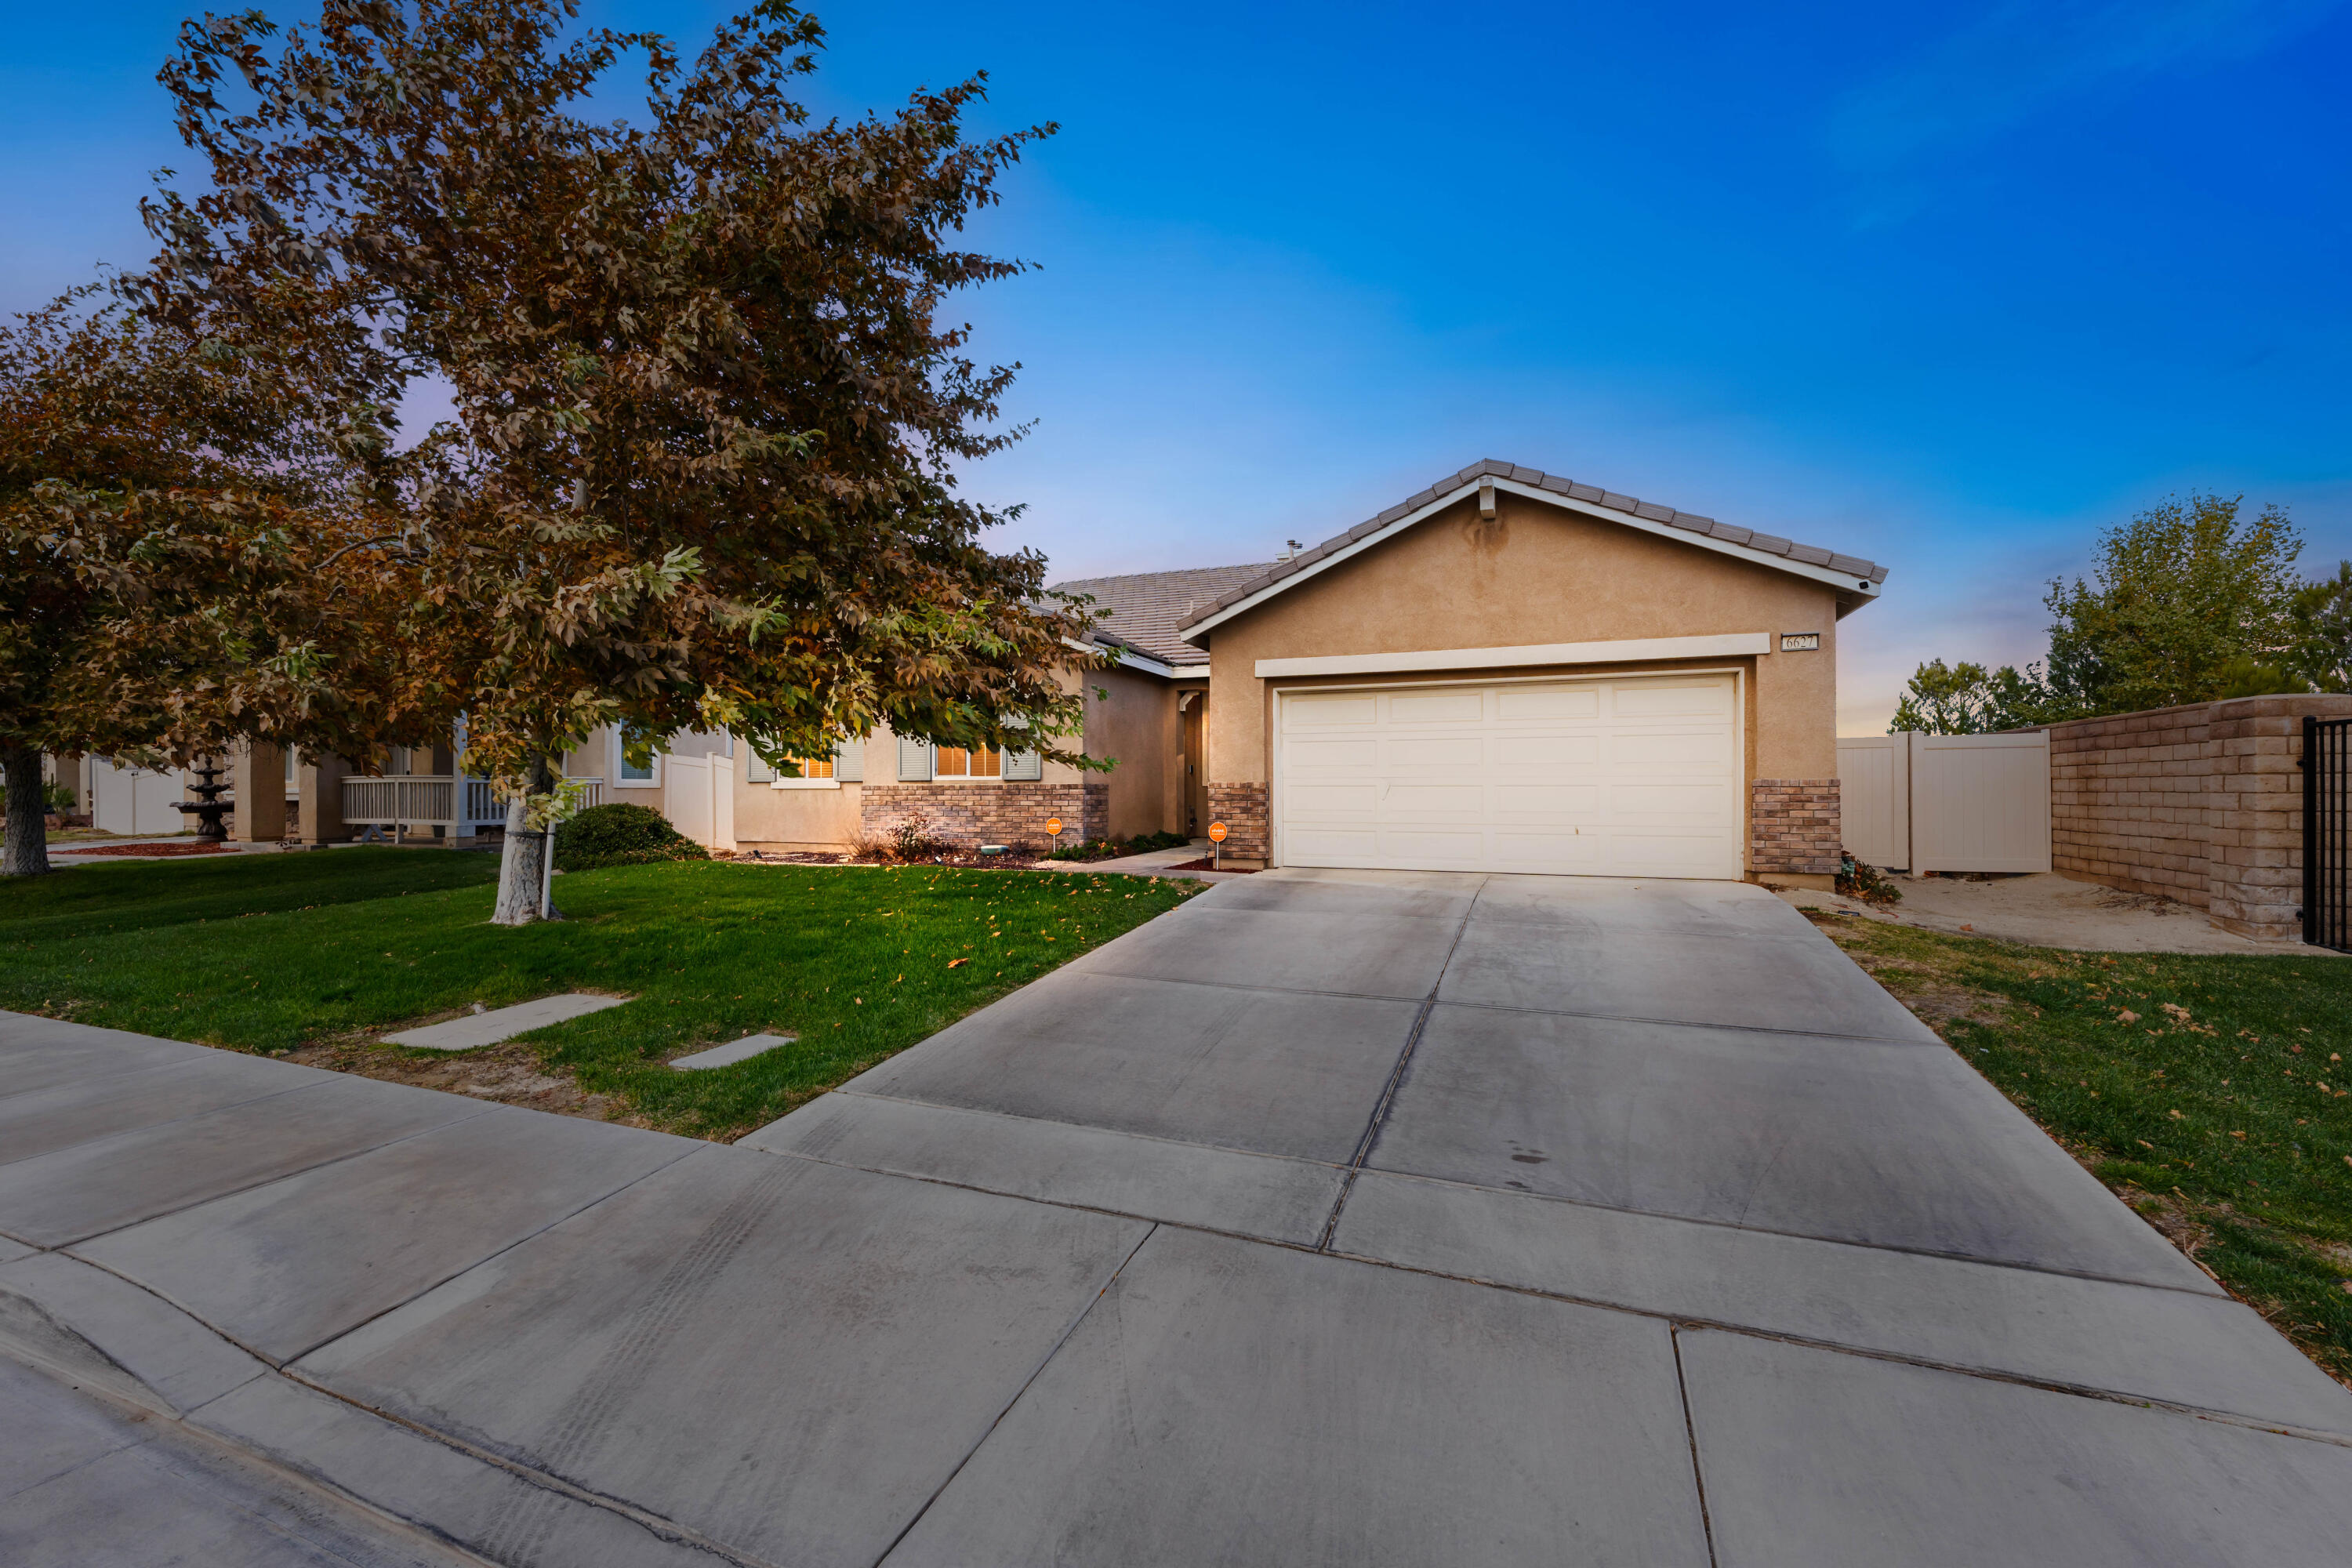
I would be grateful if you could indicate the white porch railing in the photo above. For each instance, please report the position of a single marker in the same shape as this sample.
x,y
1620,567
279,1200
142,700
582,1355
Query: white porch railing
x,y
460,805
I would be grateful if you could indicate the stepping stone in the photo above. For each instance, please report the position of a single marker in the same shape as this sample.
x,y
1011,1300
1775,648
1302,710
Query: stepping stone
x,y
479,1029
734,1051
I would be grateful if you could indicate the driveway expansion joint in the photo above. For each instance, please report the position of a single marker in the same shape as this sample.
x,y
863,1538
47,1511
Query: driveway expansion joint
x,y
1371,1135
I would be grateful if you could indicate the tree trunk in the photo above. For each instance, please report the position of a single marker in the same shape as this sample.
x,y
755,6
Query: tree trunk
x,y
26,852
523,865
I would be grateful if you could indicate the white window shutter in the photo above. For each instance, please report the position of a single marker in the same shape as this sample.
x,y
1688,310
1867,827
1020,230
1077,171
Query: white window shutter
x,y
756,770
849,761
1024,766
914,760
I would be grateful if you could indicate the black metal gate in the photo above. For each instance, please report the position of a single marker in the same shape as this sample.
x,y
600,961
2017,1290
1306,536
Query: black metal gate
x,y
2327,833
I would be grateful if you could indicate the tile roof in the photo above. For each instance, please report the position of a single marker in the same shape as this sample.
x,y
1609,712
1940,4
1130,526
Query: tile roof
x,y
1812,555
1146,610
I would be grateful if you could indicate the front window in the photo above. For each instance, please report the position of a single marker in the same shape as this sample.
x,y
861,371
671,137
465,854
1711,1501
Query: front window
x,y
955,762
814,767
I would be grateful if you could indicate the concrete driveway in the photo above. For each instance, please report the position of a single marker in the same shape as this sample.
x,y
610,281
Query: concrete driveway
x,y
1334,1218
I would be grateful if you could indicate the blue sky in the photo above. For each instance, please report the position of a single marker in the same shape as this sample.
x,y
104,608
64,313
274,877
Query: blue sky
x,y
1947,287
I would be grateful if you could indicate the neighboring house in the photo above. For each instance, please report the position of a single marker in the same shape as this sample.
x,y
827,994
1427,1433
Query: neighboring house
x,y
1506,672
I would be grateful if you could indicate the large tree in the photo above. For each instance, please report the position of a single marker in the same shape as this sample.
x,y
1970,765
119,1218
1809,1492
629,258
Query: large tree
x,y
700,466
182,560
2190,600
2184,597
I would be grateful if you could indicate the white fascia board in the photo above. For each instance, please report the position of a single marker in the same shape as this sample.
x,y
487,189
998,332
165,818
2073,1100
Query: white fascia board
x,y
1822,575
1621,650
1128,657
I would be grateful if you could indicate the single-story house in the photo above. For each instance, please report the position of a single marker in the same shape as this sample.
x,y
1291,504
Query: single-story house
x,y
1508,671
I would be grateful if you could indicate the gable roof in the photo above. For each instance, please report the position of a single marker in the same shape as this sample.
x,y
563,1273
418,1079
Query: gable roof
x,y
1855,579
1145,610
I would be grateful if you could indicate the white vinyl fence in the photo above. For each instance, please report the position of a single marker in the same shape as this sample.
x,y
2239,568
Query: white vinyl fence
x,y
125,799
699,797
1947,803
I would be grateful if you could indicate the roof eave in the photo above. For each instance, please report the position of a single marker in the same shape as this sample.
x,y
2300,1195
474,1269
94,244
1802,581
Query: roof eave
x,y
1853,590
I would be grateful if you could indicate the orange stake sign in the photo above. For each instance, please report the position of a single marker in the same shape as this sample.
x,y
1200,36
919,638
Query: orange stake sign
x,y
1053,827
1216,833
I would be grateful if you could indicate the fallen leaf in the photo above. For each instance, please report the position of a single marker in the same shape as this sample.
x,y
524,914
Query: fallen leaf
x,y
2127,1016
957,962
2176,1116
2237,1135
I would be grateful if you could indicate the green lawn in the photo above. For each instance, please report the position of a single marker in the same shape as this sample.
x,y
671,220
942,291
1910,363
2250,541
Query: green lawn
x,y
271,953
2212,1092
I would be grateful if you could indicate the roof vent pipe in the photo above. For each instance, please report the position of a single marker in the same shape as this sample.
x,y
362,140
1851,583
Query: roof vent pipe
x,y
1291,553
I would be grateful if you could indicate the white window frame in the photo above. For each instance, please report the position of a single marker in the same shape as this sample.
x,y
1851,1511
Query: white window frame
x,y
620,761
995,778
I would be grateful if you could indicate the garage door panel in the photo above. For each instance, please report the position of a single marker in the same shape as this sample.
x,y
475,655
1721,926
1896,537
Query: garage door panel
x,y
1572,802
1665,698
1634,853
1449,754
1657,748
1566,853
1441,847
1520,705
1347,756
1437,708
1310,845
1328,803
1545,754
1679,801
1317,712
1460,802
1609,778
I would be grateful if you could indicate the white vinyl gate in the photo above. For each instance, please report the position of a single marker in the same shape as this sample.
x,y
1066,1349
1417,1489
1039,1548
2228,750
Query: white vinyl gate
x,y
1947,803
1634,777
698,798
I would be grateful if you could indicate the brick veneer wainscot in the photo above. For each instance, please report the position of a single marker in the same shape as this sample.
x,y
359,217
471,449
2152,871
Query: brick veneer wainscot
x,y
2201,803
969,814
1242,807
1793,826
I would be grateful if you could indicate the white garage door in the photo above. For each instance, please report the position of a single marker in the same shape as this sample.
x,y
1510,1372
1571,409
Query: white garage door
x,y
1611,778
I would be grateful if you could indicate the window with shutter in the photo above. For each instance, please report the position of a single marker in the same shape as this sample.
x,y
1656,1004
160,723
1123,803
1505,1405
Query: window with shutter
x,y
849,762
914,760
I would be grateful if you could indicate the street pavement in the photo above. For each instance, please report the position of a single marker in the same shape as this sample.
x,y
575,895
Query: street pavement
x,y
1334,1218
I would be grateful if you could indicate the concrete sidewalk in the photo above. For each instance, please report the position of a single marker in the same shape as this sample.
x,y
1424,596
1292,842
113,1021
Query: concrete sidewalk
x,y
1331,1218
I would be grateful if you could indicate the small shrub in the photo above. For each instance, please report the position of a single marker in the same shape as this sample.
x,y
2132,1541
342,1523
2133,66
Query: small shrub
x,y
904,843
1091,850
1857,879
621,835
58,797
1158,841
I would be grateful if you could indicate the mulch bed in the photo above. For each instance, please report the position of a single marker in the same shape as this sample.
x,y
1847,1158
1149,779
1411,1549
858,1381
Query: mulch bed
x,y
204,848
1209,863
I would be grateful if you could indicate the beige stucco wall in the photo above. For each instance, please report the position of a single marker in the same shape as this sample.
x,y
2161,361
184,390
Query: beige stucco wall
x,y
798,818
1536,575
1133,725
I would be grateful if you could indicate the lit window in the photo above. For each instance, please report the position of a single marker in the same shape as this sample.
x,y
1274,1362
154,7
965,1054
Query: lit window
x,y
812,768
955,762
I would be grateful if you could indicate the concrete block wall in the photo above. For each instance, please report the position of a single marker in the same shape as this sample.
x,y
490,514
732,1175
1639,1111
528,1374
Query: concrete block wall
x,y
2202,804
